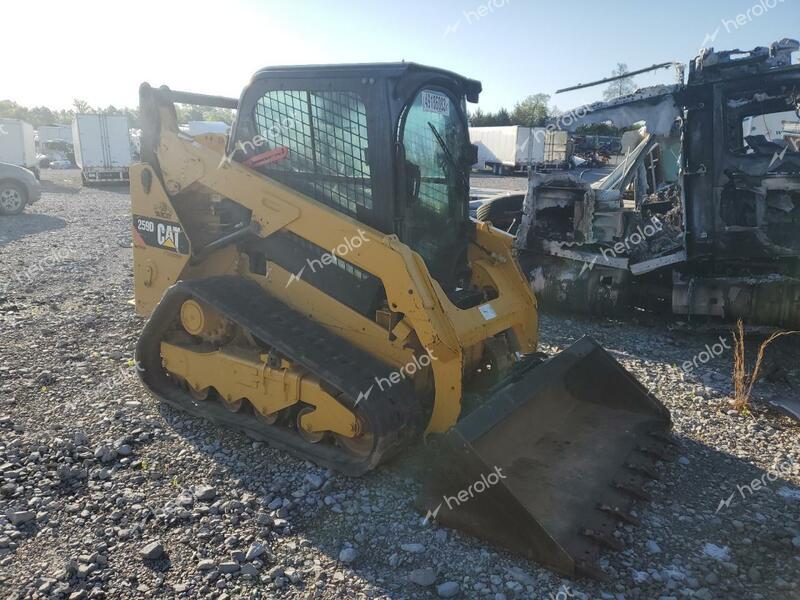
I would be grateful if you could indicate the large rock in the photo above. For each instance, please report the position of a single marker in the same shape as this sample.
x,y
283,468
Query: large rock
x,y
256,549
448,589
248,569
206,564
348,555
205,493
228,567
152,551
21,517
424,577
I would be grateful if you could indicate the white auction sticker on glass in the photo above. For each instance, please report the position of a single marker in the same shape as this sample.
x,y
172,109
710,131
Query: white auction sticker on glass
x,y
487,311
435,102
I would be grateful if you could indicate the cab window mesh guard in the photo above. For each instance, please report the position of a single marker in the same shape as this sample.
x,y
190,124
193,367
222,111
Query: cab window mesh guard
x,y
325,134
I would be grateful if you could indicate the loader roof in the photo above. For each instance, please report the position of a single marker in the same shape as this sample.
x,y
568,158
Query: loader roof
x,y
376,70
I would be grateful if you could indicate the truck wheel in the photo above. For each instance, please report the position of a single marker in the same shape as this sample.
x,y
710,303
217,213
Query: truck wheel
x,y
12,198
496,169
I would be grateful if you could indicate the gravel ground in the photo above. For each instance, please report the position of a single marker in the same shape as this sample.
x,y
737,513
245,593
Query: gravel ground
x,y
106,494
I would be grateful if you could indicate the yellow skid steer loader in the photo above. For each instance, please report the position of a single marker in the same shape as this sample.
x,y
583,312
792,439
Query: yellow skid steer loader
x,y
314,280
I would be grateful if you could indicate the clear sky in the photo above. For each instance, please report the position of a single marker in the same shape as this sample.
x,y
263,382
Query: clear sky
x,y
100,51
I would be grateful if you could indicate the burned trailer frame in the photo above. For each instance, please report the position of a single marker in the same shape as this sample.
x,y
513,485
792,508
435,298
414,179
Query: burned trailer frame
x,y
729,241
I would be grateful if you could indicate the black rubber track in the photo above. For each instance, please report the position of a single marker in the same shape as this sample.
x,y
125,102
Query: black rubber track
x,y
394,415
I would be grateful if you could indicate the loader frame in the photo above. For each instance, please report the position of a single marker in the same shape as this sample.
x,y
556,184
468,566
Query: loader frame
x,y
176,164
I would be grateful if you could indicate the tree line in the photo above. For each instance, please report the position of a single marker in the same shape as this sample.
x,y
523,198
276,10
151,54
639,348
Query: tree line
x,y
42,115
533,111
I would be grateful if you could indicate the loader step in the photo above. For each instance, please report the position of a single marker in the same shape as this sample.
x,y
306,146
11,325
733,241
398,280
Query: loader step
x,y
394,416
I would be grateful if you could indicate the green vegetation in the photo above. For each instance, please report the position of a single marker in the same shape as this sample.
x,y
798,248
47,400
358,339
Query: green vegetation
x,y
620,87
533,111
41,115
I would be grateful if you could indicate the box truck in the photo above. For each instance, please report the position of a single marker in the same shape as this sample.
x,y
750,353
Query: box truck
x,y
54,133
508,149
17,145
102,148
513,148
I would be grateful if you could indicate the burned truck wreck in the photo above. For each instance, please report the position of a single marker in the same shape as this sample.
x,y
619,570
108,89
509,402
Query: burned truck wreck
x,y
702,214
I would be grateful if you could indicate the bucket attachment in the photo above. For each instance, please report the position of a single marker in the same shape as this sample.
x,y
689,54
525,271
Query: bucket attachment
x,y
552,461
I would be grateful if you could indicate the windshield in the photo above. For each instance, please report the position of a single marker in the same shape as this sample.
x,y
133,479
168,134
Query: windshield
x,y
435,139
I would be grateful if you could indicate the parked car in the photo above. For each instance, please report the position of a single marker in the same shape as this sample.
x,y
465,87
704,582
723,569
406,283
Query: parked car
x,y
18,188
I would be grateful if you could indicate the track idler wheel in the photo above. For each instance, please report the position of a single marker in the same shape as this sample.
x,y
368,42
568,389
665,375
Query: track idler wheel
x,y
198,395
312,437
205,323
361,445
233,406
270,419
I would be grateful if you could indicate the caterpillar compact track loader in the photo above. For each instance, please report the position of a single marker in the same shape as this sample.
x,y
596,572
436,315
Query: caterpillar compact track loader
x,y
314,280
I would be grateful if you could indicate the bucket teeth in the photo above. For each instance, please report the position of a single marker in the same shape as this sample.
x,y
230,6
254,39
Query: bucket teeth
x,y
618,513
632,489
604,539
590,571
659,452
643,469
665,437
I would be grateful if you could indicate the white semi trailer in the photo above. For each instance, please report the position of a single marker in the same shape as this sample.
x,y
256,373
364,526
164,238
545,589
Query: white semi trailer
x,y
512,148
17,144
508,149
102,148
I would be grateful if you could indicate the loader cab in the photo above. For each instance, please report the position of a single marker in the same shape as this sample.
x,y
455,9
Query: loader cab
x,y
386,144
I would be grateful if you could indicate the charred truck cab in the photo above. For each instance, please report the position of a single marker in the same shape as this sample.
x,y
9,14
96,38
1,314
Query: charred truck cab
x,y
742,187
728,241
